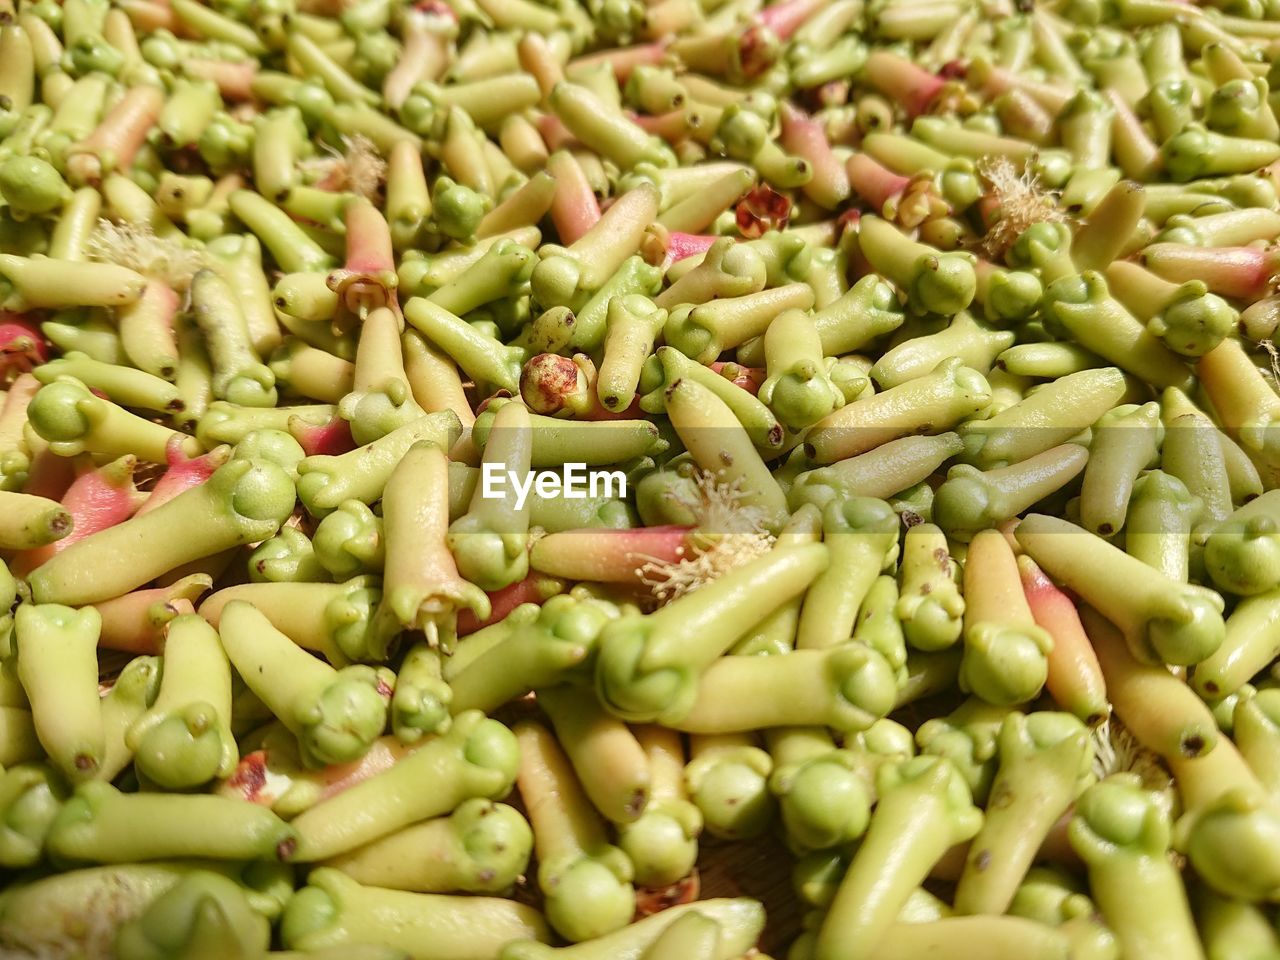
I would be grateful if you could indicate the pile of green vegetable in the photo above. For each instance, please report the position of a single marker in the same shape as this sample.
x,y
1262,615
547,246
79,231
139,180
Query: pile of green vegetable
x,y
920,354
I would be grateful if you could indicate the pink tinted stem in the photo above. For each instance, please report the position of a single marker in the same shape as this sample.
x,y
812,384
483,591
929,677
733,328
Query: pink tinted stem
x,y
135,622
329,439
662,247
233,80
574,209
785,18
1075,676
96,500
681,245
609,556
148,16
368,240
368,279
623,59
183,473
113,145
673,126
1240,272
424,57
554,133
805,138
22,346
748,378
50,476
535,588
875,184
913,87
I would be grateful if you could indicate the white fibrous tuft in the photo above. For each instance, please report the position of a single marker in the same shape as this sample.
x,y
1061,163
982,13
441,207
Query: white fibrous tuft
x,y
728,534
136,246
1273,361
359,169
1020,203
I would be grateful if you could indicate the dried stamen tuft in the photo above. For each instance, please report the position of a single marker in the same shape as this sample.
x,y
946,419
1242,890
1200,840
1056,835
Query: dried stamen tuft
x,y
1273,356
136,246
728,534
1019,203
1116,750
358,169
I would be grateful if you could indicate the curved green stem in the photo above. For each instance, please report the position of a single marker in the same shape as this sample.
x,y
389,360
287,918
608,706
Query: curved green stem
x,y
100,824
482,847
1252,641
479,355
756,418
30,797
350,541
662,842
333,911
822,797
1043,759
325,482
704,331
548,648
335,714
931,607
1239,552
882,472
1045,419
239,376
476,757
933,403
1005,651
422,588
242,502
567,276
977,347
610,762
632,325
798,385
740,921
185,739
1162,513
719,444
203,911
73,420
924,808
649,666
1197,152
129,698
972,499
847,687
1122,834
1162,620
57,665
728,269
861,534
288,243
934,282
1083,307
